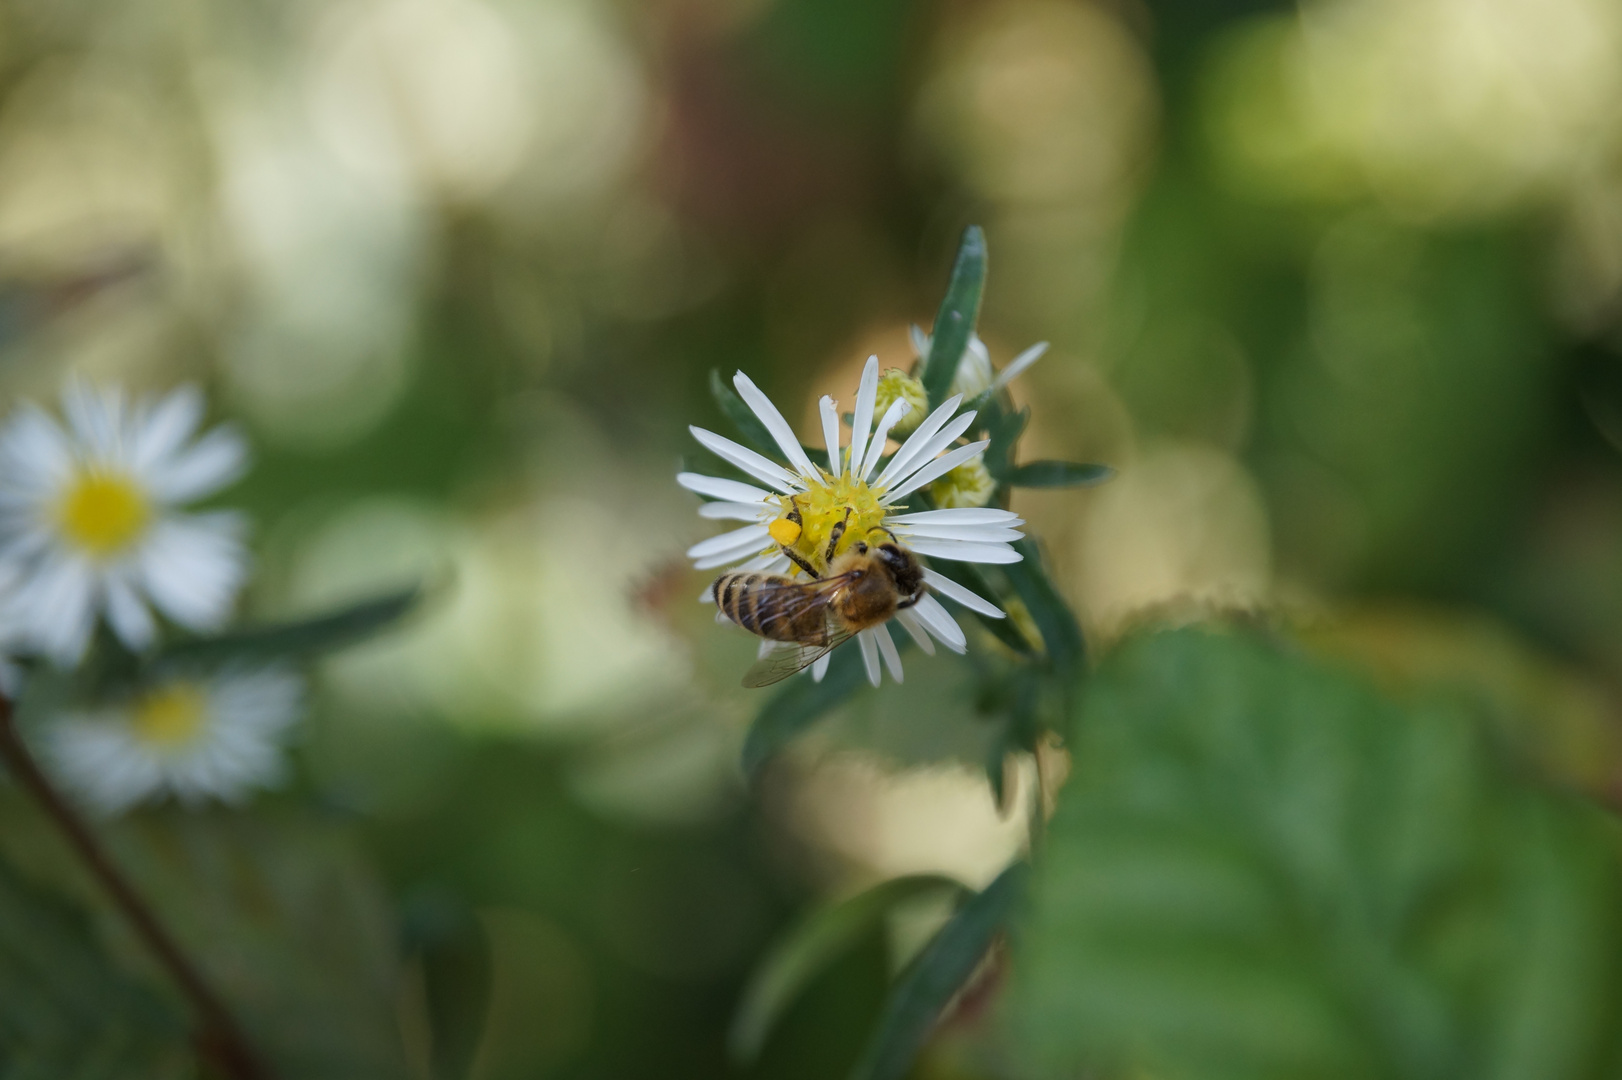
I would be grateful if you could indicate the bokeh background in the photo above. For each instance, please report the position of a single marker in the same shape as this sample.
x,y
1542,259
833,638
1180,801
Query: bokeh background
x,y
1335,288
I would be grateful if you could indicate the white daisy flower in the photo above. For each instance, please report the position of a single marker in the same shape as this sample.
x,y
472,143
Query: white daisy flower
x,y
89,521
213,737
872,502
975,375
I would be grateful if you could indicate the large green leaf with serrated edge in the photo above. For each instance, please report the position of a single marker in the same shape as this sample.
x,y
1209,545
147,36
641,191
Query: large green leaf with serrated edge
x,y
66,1009
1263,869
959,310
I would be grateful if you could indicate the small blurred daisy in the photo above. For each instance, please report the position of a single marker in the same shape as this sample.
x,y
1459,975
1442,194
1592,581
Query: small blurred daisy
x,y
847,490
975,375
214,737
89,521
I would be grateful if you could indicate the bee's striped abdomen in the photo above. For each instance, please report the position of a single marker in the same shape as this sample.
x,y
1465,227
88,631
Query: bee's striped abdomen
x,y
773,607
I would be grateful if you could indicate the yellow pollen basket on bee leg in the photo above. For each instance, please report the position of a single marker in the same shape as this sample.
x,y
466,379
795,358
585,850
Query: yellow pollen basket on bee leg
x,y
821,507
102,512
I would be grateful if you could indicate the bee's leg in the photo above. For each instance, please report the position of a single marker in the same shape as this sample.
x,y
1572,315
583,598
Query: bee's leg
x,y
885,529
834,536
801,561
911,600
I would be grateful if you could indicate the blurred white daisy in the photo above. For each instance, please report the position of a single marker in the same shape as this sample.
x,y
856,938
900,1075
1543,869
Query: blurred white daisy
x,y
975,375
213,737
848,490
89,521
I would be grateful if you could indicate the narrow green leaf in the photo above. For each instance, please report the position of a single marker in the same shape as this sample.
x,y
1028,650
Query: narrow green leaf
x,y
957,316
1047,474
1003,427
1061,633
797,705
809,949
996,767
743,417
456,965
302,637
941,970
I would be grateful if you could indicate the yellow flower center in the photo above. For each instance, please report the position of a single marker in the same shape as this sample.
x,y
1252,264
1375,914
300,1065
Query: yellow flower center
x,y
170,717
102,512
822,507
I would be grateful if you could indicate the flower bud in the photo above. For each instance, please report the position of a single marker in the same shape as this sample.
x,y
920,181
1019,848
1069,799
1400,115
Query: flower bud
x,y
970,484
895,385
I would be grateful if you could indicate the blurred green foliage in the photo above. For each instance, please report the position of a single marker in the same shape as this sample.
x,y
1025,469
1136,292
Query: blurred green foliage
x,y
1262,868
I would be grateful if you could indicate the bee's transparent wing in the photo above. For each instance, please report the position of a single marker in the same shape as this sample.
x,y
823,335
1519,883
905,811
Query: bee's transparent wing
x,y
789,658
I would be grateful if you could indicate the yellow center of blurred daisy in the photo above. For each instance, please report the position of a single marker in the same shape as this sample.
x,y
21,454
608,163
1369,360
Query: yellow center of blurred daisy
x,y
822,507
171,716
102,512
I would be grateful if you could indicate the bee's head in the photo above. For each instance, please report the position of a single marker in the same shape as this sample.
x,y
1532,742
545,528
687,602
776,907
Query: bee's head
x,y
903,566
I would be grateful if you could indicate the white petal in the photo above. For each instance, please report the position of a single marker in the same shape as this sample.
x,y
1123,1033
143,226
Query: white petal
x,y
861,421
819,667
967,597
938,621
920,341
1018,364
192,566
127,615
916,631
985,534
162,430
100,763
935,469
722,558
870,656
829,408
782,434
966,515
715,487
746,459
211,463
737,511
57,606
35,453
965,551
96,417
765,649
748,537
708,595
887,649
772,562
898,408
936,433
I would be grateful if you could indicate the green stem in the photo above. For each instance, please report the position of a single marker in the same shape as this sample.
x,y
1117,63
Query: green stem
x,y
219,1041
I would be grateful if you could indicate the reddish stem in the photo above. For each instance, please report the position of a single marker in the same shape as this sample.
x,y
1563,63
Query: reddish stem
x,y
218,1039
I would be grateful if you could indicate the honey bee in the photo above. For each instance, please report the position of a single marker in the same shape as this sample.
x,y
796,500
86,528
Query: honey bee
x,y
863,587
